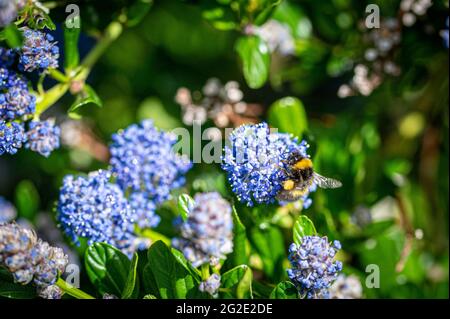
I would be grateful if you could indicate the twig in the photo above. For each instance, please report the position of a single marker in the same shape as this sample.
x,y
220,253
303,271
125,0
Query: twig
x,y
409,236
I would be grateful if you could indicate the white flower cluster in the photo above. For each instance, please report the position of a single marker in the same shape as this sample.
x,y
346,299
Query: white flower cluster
x,y
378,60
346,287
218,102
277,36
412,9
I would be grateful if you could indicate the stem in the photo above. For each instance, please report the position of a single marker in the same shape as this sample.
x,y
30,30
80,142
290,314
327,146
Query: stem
x,y
71,290
205,271
409,234
50,97
57,75
111,33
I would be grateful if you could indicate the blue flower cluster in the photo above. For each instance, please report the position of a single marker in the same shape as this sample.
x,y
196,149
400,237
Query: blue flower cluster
x,y
17,103
93,208
254,162
50,292
206,236
7,211
313,269
28,258
12,137
210,285
146,166
7,57
97,209
145,210
43,137
15,99
39,51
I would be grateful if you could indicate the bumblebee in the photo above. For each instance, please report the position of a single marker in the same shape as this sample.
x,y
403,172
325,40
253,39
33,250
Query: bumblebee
x,y
300,177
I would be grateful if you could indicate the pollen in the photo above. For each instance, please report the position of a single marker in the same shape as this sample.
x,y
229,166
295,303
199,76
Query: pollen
x,y
303,163
288,185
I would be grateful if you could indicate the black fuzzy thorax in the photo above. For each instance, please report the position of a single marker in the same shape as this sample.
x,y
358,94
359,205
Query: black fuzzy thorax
x,y
298,175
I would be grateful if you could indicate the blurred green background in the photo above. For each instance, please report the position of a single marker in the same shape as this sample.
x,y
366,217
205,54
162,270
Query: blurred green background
x,y
390,149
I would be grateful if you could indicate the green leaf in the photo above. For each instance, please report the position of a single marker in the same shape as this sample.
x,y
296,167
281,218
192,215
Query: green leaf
x,y
149,282
196,274
153,235
269,244
267,11
172,279
294,17
131,289
185,204
87,96
221,18
284,290
239,256
303,227
153,108
261,290
27,200
37,18
237,283
255,57
137,11
150,296
12,35
107,268
289,116
9,289
71,56
16,291
45,22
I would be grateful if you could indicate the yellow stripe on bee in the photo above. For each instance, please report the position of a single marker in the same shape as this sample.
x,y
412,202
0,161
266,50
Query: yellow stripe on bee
x,y
288,185
303,163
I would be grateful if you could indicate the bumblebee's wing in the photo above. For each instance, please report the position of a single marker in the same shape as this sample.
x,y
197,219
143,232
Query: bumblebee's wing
x,y
325,182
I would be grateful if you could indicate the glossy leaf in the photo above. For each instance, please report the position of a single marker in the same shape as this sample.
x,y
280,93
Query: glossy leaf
x,y
294,17
172,279
303,227
153,235
269,244
9,289
149,282
284,290
185,204
288,115
239,256
12,35
268,8
107,268
255,57
131,289
237,283
87,96
196,274
16,291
